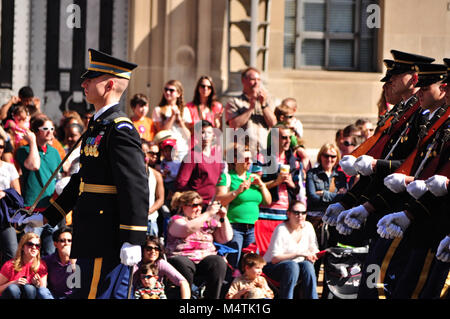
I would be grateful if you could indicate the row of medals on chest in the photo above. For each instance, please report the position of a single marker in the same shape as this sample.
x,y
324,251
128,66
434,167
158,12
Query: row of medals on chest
x,y
92,144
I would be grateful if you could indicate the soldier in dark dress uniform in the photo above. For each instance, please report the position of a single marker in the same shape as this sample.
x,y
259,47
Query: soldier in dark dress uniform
x,y
393,255
424,222
109,194
394,143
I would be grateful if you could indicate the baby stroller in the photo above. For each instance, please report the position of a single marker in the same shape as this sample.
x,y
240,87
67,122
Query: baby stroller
x,y
342,271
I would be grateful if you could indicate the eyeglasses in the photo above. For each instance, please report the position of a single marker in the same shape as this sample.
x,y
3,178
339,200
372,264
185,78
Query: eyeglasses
x,y
329,156
169,90
204,86
33,245
297,212
194,205
347,143
285,137
152,248
45,129
152,153
64,240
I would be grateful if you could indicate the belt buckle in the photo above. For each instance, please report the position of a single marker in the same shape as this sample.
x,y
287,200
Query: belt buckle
x,y
81,188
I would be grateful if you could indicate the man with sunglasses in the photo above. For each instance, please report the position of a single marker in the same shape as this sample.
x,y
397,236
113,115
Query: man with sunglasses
x,y
60,266
38,160
109,195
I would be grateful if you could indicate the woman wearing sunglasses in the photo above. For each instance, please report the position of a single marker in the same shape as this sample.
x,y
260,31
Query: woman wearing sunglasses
x,y
153,255
242,192
172,115
21,277
204,105
291,254
325,184
190,241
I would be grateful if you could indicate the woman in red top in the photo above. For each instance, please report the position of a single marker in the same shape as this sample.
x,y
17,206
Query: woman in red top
x,y
205,106
21,277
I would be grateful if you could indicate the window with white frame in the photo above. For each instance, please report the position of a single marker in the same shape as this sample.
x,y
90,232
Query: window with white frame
x,y
330,35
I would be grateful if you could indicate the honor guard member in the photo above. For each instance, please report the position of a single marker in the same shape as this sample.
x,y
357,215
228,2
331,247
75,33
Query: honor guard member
x,y
395,142
107,195
425,221
432,150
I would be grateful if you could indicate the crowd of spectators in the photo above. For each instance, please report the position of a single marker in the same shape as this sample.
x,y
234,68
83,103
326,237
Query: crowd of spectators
x,y
208,202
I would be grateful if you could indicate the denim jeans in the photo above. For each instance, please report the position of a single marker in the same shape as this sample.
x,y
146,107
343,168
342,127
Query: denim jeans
x,y
8,244
14,291
243,236
152,228
288,273
46,233
44,293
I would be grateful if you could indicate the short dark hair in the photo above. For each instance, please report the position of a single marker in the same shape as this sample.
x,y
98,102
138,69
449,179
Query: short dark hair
x,y
293,203
59,231
252,259
138,99
26,92
201,125
37,121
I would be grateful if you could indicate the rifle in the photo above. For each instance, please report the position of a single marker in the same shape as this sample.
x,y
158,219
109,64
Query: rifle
x,y
385,125
407,165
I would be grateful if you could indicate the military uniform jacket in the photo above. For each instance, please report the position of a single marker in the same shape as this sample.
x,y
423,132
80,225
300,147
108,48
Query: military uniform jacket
x,y
386,201
109,195
405,131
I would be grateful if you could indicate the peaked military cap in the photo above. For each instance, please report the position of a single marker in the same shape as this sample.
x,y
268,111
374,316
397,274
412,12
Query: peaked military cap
x,y
389,65
101,63
404,62
447,64
430,73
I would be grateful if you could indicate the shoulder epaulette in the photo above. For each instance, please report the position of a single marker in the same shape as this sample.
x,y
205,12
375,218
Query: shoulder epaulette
x,y
122,119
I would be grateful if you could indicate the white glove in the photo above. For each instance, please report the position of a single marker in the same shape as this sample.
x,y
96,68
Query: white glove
x,y
395,182
382,231
393,224
28,229
363,165
130,255
437,185
443,251
332,213
35,220
356,216
347,162
417,188
341,227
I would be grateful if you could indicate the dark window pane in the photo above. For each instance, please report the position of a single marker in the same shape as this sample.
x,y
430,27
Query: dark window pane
x,y
341,53
314,17
341,16
366,55
313,52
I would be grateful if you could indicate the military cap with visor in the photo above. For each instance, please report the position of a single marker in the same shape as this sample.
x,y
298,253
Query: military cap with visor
x,y
430,73
447,64
101,63
389,65
405,62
